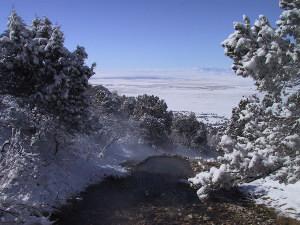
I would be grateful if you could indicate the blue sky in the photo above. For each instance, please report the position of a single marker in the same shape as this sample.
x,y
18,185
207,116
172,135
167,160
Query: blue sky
x,y
124,35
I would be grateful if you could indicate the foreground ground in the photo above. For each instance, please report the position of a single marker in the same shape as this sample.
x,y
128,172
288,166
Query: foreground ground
x,y
157,193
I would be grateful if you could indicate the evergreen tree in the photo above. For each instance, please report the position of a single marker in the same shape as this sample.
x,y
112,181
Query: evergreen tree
x,y
36,65
15,56
270,56
263,135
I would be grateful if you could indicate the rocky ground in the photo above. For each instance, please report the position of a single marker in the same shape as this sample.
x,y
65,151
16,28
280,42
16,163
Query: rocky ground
x,y
229,208
147,197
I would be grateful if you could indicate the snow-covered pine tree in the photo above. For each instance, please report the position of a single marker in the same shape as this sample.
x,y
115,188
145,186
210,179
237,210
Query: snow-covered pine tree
x,y
187,130
263,136
154,118
152,106
14,53
35,64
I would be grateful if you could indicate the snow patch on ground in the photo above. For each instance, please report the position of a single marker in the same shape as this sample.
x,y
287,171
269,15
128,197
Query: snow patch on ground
x,y
283,198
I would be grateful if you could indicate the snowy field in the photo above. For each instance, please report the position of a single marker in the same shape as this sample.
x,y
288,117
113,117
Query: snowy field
x,y
202,91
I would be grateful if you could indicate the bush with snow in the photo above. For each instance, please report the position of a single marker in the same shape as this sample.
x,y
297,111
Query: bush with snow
x,y
151,105
42,166
263,136
148,116
153,130
105,101
35,65
187,130
22,129
128,105
154,119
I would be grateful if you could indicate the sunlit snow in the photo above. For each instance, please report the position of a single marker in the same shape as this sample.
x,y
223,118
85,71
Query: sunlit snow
x,y
203,91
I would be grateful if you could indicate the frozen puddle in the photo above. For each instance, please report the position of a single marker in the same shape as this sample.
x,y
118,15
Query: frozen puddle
x,y
156,182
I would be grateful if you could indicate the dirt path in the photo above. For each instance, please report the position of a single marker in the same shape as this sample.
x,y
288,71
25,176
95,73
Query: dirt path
x,y
156,193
